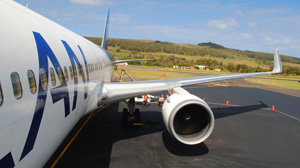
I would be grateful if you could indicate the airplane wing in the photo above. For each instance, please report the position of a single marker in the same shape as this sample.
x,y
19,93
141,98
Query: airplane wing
x,y
117,91
187,117
135,60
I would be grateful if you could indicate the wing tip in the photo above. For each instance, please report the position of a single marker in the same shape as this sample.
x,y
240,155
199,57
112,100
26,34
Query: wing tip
x,y
277,67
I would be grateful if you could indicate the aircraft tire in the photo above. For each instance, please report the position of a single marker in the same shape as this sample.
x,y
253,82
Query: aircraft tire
x,y
137,114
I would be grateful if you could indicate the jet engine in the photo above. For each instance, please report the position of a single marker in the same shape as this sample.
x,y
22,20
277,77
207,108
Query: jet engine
x,y
187,117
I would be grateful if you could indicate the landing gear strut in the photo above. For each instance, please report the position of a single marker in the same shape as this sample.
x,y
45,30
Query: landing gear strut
x,y
131,115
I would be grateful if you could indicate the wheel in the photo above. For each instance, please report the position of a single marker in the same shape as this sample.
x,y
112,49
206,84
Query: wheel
x,y
125,117
137,114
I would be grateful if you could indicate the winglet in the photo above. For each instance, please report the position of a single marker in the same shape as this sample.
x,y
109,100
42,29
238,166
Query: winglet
x,y
105,34
277,68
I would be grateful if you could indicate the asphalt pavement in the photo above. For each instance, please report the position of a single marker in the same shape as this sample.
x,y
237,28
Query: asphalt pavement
x,y
247,133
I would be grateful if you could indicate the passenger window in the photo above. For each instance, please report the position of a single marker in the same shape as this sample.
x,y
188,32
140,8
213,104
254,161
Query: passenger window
x,y
43,78
79,70
1,96
52,74
71,72
75,72
60,75
31,80
87,69
16,84
66,73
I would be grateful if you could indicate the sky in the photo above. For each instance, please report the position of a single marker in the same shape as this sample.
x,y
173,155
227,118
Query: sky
x,y
256,25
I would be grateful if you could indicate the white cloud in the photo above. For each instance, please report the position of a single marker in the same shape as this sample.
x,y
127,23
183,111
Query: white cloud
x,y
271,12
89,2
268,40
222,24
252,24
286,44
244,37
121,18
178,34
240,13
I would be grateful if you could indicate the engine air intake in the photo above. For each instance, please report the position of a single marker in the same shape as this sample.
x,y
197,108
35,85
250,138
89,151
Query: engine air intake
x,y
191,119
187,117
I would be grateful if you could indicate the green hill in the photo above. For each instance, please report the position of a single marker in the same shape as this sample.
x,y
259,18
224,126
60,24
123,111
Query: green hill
x,y
209,54
211,45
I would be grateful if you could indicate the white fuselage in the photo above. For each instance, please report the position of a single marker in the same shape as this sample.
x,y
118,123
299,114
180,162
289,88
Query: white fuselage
x,y
34,120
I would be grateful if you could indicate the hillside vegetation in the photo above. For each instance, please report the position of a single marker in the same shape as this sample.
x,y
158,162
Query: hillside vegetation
x,y
167,54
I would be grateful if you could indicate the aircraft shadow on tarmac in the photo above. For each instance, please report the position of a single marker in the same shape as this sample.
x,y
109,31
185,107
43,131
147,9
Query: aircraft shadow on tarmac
x,y
221,112
93,148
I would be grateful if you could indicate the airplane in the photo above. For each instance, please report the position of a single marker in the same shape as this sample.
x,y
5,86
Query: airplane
x,y
51,77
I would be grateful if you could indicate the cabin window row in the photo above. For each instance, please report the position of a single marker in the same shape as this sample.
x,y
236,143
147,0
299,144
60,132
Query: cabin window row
x,y
94,67
17,85
61,76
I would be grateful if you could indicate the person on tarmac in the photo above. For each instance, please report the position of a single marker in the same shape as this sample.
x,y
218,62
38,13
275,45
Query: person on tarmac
x,y
146,97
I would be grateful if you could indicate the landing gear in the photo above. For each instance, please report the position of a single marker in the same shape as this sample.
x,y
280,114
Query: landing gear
x,y
137,114
131,115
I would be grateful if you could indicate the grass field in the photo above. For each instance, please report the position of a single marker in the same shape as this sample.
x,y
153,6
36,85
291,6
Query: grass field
x,y
168,54
198,71
280,77
153,74
276,83
242,60
235,59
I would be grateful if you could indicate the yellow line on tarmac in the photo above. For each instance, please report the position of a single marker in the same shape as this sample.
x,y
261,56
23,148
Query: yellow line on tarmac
x,y
220,84
100,110
71,141
138,124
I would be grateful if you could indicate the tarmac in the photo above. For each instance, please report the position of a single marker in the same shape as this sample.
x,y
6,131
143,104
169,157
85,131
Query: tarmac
x,y
247,133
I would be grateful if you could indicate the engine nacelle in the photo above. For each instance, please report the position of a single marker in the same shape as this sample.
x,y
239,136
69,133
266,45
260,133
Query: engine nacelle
x,y
187,117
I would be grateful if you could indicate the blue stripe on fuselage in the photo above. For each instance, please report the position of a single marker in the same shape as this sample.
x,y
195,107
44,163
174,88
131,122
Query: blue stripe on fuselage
x,y
58,93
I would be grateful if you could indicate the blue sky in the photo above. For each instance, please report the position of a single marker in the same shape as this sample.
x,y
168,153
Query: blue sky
x,y
257,25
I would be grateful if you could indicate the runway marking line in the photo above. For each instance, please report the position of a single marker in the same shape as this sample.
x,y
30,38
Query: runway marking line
x,y
74,137
286,115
